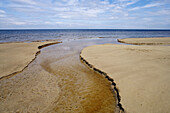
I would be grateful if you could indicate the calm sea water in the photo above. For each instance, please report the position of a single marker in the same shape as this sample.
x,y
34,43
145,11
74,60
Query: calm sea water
x,y
67,34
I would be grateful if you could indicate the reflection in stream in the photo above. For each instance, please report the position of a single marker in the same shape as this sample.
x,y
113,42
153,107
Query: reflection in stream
x,y
58,82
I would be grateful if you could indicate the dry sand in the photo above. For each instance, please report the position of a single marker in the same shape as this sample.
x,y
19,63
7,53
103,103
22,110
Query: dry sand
x,y
146,41
14,57
142,73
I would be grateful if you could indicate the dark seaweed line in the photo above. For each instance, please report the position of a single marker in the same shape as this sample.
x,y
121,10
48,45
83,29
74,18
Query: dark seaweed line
x,y
108,78
48,44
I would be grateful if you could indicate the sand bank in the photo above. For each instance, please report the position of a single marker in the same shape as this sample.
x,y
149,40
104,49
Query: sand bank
x,y
57,82
140,72
15,57
146,41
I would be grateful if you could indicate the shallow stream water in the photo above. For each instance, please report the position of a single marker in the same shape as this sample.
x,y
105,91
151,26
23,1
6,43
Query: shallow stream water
x,y
57,81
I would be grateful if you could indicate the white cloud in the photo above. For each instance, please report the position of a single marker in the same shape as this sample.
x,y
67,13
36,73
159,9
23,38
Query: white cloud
x,y
59,22
65,15
52,23
91,12
60,9
164,12
72,2
146,6
83,12
131,2
152,5
12,21
25,1
147,19
1,15
125,3
161,12
126,14
2,11
70,9
18,23
105,2
47,22
114,17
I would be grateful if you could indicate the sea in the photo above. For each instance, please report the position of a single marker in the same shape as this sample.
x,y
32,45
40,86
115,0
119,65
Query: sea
x,y
14,35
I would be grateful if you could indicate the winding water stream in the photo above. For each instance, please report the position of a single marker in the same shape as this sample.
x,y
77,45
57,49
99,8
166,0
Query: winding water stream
x,y
57,81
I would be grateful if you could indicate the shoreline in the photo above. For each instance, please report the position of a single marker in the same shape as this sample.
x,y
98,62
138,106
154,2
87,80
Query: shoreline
x,y
30,41
100,58
146,41
32,48
57,81
114,88
115,84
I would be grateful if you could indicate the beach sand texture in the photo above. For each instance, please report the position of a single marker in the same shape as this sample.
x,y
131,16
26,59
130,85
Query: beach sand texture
x,y
142,73
56,81
14,57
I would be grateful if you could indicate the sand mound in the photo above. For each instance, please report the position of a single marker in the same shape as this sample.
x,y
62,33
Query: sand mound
x,y
15,57
140,72
146,41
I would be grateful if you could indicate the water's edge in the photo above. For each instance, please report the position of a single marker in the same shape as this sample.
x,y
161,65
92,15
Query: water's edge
x,y
115,89
113,86
37,53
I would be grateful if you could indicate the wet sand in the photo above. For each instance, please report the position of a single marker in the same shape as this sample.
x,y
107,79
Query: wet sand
x,y
140,72
56,81
15,57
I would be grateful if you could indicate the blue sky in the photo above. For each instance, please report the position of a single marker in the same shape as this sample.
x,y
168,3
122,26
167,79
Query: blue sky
x,y
85,14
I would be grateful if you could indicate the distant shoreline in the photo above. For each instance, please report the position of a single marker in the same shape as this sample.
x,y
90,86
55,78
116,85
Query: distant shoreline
x,y
97,29
146,41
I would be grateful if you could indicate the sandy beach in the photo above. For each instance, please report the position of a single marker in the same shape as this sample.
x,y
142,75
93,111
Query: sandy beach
x,y
15,57
84,56
141,73
55,81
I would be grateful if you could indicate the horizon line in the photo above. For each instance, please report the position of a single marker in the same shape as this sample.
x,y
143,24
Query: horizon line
x,y
82,29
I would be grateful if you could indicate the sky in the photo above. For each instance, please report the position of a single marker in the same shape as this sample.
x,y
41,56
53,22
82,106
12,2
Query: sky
x,y
84,14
